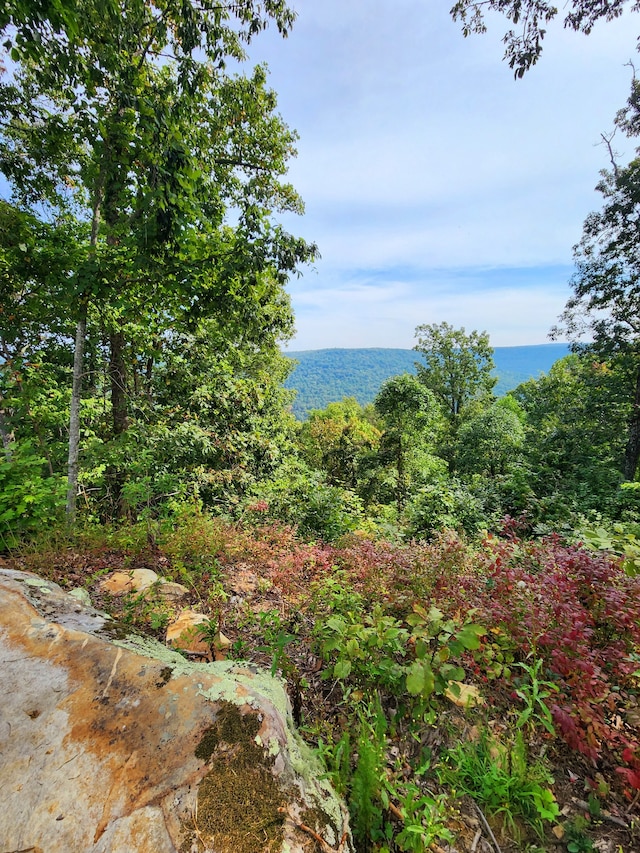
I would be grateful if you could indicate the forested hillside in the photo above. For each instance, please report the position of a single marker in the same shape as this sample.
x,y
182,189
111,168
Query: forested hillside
x,y
324,376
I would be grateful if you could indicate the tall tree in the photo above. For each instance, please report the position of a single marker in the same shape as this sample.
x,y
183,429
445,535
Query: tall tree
x,y
576,418
409,412
123,110
491,441
336,439
457,366
605,305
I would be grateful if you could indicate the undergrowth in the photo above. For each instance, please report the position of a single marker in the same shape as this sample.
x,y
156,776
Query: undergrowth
x,y
376,641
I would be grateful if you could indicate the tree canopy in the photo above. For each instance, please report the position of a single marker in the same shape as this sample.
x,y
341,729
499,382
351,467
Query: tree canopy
x,y
458,366
523,43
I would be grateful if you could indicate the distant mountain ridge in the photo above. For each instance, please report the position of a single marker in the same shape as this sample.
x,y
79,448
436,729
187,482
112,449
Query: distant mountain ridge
x,y
327,375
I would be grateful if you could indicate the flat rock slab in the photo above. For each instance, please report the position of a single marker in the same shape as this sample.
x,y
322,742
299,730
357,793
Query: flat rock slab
x,y
136,580
110,743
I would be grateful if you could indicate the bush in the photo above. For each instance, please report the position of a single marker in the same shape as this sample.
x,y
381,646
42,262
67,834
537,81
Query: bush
x,y
300,497
445,505
30,498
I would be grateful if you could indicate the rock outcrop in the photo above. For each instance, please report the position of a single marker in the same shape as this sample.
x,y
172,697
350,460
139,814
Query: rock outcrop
x,y
111,743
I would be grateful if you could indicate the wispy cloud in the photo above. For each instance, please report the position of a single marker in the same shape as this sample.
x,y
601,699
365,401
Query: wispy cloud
x,y
427,171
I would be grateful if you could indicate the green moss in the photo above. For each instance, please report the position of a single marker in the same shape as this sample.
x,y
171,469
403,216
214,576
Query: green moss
x,y
240,806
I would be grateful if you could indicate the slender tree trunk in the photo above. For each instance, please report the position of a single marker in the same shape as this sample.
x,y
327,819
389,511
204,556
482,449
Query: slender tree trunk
x,y
119,419
632,450
6,434
73,463
402,479
74,419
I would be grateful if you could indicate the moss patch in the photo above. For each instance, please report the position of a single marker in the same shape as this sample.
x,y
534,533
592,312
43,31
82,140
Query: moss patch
x,y
239,799
165,674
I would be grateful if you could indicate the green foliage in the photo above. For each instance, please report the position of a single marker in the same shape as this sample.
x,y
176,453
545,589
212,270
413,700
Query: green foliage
x,y
575,429
458,366
336,440
623,540
577,839
409,413
358,766
533,691
299,496
176,167
447,504
277,637
31,499
372,651
367,779
492,441
502,780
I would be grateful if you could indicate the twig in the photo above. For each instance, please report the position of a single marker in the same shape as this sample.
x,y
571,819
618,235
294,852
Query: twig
x,y
194,815
633,802
603,814
395,811
326,848
487,827
476,841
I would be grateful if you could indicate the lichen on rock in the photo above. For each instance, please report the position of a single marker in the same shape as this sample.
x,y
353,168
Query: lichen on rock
x,y
123,746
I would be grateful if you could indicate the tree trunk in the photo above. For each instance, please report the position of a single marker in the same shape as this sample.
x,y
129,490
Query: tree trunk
x,y
632,450
402,477
6,434
119,419
118,382
74,418
73,465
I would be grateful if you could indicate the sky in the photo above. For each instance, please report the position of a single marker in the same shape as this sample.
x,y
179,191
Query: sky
x,y
437,187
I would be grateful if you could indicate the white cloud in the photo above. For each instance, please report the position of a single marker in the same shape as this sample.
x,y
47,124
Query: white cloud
x,y
516,308
418,150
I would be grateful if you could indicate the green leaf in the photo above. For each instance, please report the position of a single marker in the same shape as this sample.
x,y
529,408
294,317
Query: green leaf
x,y
342,669
420,679
469,636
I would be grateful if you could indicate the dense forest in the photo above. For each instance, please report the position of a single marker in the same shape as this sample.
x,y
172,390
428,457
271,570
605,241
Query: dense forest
x,y
448,579
321,377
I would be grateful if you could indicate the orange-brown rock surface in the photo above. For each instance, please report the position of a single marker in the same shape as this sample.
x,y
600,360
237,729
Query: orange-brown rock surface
x,y
113,744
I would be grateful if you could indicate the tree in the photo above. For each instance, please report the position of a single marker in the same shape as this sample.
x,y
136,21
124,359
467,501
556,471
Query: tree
x,y
409,412
458,366
491,442
606,290
124,112
575,427
524,45
336,438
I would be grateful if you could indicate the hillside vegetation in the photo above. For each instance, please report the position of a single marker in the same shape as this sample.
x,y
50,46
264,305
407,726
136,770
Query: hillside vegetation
x,y
323,376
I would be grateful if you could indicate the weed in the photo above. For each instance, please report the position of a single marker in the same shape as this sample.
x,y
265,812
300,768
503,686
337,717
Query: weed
x,y
146,609
577,839
501,780
533,693
276,639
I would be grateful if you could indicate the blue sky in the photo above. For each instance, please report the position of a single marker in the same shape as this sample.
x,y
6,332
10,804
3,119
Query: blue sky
x,y
437,187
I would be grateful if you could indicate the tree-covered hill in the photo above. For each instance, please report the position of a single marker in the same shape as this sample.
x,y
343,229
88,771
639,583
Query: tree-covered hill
x,y
326,375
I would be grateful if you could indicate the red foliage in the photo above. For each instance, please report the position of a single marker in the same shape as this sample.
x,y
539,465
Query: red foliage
x,y
578,612
574,609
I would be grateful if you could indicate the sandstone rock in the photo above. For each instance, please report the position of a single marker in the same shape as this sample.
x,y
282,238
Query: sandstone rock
x,y
184,633
137,580
111,743
172,592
